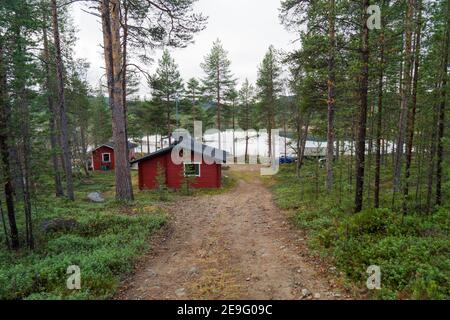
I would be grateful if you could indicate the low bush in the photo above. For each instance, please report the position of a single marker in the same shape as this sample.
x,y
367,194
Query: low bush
x,y
107,240
413,250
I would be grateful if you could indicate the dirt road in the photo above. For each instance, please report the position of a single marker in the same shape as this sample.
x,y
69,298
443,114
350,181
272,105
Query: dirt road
x,y
235,245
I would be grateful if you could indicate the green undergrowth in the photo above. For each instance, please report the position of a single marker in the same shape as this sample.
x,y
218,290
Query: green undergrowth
x,y
412,250
104,242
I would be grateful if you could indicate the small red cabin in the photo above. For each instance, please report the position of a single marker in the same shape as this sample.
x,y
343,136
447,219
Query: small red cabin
x,y
103,156
204,167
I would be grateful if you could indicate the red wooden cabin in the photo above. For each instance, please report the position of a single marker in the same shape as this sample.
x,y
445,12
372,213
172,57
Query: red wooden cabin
x,y
206,173
103,156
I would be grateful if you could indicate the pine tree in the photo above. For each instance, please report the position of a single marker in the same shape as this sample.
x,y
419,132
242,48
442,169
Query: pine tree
x,y
218,78
167,86
269,86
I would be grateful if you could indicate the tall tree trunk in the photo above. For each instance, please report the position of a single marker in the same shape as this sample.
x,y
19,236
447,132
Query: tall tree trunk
x,y
5,115
337,149
362,121
269,135
303,141
247,126
303,138
331,95
412,113
419,165
124,77
297,164
405,93
113,61
442,107
431,157
299,126
285,134
234,137
84,152
169,133
52,111
25,168
370,153
219,126
379,124
67,156
5,230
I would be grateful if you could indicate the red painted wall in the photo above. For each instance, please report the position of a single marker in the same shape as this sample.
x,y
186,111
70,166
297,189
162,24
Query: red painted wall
x,y
97,157
210,174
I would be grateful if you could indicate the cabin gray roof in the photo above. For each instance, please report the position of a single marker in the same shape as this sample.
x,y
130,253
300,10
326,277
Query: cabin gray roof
x,y
110,144
218,155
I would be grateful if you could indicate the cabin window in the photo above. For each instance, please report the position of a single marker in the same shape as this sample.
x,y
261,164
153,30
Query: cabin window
x,y
192,169
106,157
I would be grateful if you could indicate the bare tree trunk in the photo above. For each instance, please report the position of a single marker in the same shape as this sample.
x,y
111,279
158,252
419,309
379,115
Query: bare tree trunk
x,y
442,107
124,77
419,165
23,166
247,126
352,148
269,135
218,107
285,134
405,92
169,133
431,159
25,169
5,115
379,124
304,137
331,95
113,61
362,122
412,114
5,230
234,138
62,105
84,153
299,126
52,111
337,149
370,154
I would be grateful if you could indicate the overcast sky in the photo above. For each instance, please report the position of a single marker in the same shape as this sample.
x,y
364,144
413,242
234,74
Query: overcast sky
x,y
246,28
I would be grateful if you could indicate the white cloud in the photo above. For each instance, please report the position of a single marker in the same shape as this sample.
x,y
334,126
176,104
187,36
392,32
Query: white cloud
x,y
246,28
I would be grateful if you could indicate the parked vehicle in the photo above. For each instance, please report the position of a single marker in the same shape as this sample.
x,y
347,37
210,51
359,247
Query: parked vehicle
x,y
287,159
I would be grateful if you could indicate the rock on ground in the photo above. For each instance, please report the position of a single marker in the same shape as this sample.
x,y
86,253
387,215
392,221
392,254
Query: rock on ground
x,y
95,197
58,224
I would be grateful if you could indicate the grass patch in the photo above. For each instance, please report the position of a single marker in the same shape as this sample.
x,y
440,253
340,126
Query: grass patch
x,y
413,251
106,241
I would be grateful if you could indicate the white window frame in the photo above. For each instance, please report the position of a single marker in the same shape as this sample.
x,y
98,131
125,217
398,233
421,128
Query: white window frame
x,y
109,156
195,163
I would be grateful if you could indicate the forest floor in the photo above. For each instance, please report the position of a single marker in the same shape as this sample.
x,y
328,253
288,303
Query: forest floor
x,y
233,245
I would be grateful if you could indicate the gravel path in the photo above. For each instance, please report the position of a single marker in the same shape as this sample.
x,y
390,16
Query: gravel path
x,y
235,245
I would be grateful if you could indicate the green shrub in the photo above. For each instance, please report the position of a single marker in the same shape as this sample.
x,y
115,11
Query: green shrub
x,y
413,251
107,240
